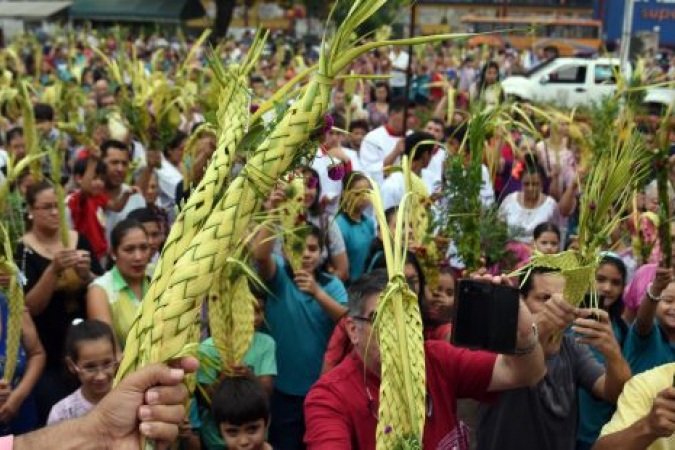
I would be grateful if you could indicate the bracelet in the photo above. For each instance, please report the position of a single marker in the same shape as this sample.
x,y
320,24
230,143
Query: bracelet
x,y
650,296
535,341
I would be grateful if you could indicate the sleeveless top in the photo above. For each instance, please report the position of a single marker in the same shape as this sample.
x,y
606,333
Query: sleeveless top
x,y
122,300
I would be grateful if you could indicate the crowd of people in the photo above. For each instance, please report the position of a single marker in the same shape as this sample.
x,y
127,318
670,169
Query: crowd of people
x,y
581,378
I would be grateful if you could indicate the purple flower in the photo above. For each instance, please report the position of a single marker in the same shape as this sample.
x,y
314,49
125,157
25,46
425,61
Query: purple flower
x,y
336,172
328,123
388,429
592,206
253,108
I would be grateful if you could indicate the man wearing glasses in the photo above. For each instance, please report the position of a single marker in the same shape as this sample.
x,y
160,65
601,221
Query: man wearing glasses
x,y
341,409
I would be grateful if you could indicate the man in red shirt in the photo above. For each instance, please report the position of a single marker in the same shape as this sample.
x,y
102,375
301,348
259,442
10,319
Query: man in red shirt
x,y
341,408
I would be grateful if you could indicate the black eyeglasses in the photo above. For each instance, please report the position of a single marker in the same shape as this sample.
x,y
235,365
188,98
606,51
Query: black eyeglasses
x,y
370,319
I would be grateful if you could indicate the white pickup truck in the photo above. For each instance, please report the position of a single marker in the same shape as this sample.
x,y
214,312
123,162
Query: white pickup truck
x,y
575,81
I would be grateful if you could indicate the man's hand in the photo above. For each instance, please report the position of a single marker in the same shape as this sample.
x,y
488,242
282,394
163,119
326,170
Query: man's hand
x,y
597,333
661,419
556,315
149,402
306,282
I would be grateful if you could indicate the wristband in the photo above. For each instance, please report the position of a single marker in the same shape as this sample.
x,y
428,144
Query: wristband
x,y
651,296
535,340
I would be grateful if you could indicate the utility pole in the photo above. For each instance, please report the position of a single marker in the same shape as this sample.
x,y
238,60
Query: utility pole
x,y
626,32
408,73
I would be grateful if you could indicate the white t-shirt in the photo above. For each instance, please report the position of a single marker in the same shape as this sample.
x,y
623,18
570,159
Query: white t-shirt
x,y
375,147
399,62
330,189
524,220
112,218
354,158
432,175
487,191
393,190
169,177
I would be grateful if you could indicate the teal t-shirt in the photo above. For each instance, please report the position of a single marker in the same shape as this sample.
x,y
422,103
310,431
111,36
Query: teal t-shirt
x,y
646,352
300,327
260,358
358,237
593,412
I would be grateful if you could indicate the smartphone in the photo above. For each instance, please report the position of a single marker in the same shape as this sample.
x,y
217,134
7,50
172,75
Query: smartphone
x,y
486,317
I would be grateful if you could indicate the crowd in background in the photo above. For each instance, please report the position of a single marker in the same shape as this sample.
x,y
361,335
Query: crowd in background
x,y
300,376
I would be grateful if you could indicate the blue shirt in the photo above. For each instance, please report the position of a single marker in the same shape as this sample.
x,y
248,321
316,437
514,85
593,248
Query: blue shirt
x,y
26,418
358,237
594,413
646,352
300,327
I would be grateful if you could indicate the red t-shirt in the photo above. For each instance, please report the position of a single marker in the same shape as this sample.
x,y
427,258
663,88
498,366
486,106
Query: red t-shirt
x,y
339,413
339,345
84,212
438,332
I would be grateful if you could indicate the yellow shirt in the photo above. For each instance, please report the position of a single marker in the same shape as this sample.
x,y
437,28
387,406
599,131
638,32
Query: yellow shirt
x,y
636,401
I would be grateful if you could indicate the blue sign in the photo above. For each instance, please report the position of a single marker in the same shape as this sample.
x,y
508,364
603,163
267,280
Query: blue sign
x,y
647,15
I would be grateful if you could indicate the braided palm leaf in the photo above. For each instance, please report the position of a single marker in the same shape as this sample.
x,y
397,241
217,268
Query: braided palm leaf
x,y
233,117
231,310
170,327
194,252
428,254
399,332
292,221
30,133
15,301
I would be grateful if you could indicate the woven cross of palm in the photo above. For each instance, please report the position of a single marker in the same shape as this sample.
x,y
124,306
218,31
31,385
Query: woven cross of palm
x,y
291,219
398,327
168,322
606,192
427,251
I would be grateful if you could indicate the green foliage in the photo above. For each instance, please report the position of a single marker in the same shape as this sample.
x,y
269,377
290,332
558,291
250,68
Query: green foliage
x,y
385,16
494,234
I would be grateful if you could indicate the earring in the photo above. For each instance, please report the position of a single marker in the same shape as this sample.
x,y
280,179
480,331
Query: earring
x,y
30,217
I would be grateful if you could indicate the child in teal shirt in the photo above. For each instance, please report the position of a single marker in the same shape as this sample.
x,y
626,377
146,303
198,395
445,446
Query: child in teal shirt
x,y
358,230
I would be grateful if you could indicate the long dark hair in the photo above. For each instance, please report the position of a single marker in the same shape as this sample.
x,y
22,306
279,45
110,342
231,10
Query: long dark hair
x,y
615,310
315,208
546,227
347,182
481,82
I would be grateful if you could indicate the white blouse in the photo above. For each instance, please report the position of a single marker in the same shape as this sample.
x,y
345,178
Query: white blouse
x,y
522,221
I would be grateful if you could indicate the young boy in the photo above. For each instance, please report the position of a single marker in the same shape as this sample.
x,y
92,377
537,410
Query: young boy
x,y
241,410
259,361
86,203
